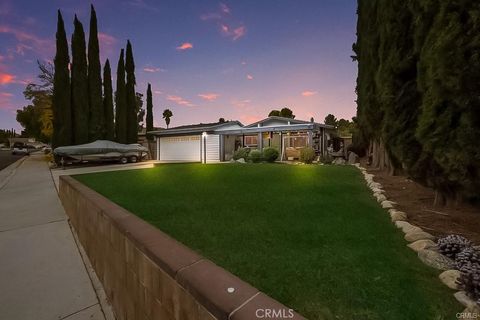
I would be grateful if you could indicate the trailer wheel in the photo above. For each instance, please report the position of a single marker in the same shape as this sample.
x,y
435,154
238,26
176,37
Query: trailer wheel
x,y
123,160
133,159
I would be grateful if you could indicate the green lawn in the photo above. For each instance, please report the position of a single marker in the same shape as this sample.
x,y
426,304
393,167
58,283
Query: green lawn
x,y
311,237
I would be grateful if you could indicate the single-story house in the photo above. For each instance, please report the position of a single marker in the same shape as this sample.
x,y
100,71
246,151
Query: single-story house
x,y
215,142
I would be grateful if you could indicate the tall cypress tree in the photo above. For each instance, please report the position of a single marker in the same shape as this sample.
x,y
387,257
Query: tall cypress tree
x,y
61,104
149,119
79,85
132,123
121,103
107,102
95,126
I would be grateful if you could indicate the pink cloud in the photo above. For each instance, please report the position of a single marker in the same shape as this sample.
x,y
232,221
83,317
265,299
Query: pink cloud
x,y
153,69
6,78
158,92
234,34
249,77
241,103
209,96
185,46
210,16
5,94
29,41
180,101
5,101
107,43
243,63
308,93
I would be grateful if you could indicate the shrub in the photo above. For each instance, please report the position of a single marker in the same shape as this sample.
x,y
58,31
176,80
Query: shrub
x,y
255,156
307,155
452,245
270,154
240,153
326,159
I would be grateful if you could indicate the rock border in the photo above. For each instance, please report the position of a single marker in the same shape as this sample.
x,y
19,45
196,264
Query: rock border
x,y
421,242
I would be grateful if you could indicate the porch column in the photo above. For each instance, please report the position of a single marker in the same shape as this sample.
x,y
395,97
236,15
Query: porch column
x,y
158,147
281,146
260,141
222,148
310,139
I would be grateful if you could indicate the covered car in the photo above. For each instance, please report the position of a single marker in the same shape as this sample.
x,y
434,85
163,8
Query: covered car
x,y
102,150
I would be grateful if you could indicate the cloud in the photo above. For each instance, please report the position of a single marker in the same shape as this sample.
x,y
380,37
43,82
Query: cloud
x,y
6,78
185,46
235,33
241,103
243,63
224,8
153,69
308,93
107,43
5,101
180,101
141,4
209,96
29,41
249,77
158,92
210,16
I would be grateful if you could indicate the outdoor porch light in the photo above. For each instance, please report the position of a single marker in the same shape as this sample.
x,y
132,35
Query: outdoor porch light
x,y
204,134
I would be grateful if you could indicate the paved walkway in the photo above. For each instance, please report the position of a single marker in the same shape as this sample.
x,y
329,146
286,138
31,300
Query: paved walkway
x,y
42,274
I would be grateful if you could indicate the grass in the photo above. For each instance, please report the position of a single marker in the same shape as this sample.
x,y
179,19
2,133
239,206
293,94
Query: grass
x,y
311,237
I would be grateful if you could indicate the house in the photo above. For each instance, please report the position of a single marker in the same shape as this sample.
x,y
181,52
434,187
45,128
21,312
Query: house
x,y
215,142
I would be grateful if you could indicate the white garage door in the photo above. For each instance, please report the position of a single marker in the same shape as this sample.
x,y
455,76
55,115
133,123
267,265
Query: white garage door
x,y
181,148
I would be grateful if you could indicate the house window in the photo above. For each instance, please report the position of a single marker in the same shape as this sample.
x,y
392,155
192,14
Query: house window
x,y
251,141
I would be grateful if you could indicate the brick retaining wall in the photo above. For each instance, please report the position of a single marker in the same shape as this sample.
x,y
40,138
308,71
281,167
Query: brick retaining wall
x,y
148,275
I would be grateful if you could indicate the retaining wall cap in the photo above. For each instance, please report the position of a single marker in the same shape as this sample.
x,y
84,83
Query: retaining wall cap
x,y
259,305
209,284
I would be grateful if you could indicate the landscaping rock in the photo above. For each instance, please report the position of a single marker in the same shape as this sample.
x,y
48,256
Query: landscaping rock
x,y
405,226
422,245
462,297
368,176
241,160
435,260
380,197
352,158
339,161
387,204
449,278
418,235
471,313
397,215
232,160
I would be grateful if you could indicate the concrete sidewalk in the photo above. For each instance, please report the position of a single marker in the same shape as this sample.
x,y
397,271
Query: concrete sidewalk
x,y
42,274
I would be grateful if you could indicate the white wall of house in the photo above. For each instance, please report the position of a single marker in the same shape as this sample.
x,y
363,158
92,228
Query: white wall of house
x,y
180,148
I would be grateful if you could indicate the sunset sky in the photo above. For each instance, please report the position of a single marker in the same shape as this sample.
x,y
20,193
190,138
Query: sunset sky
x,y
205,59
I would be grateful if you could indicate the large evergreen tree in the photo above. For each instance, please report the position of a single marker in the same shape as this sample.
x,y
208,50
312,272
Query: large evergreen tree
x,y
132,123
96,125
61,103
109,131
79,85
418,81
121,102
149,119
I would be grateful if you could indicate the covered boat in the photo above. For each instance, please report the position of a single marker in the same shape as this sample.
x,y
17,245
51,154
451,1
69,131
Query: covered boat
x,y
102,150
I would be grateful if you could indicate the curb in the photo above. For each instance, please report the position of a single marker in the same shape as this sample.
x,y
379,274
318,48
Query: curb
x,y
10,171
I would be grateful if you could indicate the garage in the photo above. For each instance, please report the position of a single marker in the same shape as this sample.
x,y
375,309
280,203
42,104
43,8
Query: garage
x,y
180,148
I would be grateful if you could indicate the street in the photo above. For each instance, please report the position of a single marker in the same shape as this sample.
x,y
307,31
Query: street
x,y
6,158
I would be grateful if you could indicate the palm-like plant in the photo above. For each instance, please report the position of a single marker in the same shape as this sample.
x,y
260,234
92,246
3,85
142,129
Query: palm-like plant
x,y
167,114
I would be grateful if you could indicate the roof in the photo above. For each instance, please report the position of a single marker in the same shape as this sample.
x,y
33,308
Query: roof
x,y
218,127
195,128
292,121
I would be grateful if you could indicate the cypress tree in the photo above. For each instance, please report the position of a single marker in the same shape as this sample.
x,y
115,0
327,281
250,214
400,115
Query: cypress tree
x,y
95,126
121,103
107,102
79,85
61,104
132,123
149,119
